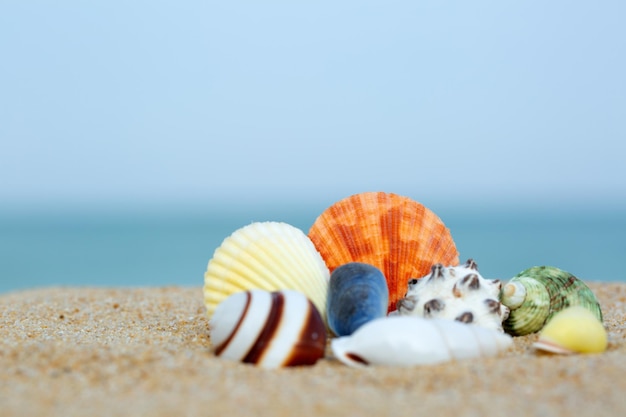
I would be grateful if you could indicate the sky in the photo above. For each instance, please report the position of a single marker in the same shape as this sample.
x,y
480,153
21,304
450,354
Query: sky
x,y
194,102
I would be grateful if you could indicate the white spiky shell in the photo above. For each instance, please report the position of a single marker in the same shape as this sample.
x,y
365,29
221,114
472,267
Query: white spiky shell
x,y
269,256
458,293
408,341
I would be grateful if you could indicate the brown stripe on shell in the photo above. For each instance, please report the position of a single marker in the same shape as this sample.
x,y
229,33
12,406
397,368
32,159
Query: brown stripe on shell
x,y
272,323
219,349
356,358
311,340
466,317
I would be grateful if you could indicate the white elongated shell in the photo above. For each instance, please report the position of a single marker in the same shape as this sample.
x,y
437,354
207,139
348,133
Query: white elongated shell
x,y
409,341
269,256
268,329
456,293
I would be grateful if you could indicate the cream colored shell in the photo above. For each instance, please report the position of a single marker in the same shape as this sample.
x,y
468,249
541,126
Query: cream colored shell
x,y
269,256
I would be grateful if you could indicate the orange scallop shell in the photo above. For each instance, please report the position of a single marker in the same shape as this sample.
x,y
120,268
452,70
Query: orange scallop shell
x,y
399,236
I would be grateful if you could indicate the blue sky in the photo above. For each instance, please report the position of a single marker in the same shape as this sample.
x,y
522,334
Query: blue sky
x,y
195,102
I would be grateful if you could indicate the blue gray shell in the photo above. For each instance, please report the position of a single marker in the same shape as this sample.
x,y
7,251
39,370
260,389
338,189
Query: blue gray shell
x,y
357,294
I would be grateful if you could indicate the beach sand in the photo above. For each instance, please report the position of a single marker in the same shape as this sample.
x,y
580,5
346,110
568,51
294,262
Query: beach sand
x,y
145,351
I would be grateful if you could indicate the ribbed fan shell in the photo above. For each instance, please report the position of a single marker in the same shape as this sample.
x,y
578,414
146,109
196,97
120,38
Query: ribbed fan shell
x,y
399,236
269,256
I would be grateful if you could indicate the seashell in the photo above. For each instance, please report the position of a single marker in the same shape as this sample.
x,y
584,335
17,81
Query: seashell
x,y
573,330
397,235
536,294
270,256
268,329
357,293
458,293
408,341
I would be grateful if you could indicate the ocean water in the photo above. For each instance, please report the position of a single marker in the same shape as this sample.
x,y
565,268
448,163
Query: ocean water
x,y
135,248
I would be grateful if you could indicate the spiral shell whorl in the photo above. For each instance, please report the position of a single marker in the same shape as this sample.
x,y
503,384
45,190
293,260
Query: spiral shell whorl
x,y
548,291
532,313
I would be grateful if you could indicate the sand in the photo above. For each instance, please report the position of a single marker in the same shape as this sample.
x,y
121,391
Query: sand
x,y
146,351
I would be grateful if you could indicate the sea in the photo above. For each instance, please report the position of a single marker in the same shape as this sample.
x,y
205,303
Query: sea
x,y
137,248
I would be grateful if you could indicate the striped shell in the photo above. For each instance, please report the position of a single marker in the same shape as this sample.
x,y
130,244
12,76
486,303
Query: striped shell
x,y
458,293
268,329
397,235
573,330
408,341
266,255
537,293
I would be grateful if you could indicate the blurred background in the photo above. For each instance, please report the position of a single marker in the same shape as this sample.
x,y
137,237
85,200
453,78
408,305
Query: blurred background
x,y
136,137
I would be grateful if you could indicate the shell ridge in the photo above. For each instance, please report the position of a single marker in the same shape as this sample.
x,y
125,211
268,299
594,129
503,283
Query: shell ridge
x,y
281,255
248,270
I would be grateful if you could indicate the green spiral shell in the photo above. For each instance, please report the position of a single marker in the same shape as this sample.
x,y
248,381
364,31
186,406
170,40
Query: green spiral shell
x,y
548,291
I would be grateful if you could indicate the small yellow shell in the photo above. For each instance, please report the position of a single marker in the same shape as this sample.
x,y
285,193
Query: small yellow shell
x,y
573,330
